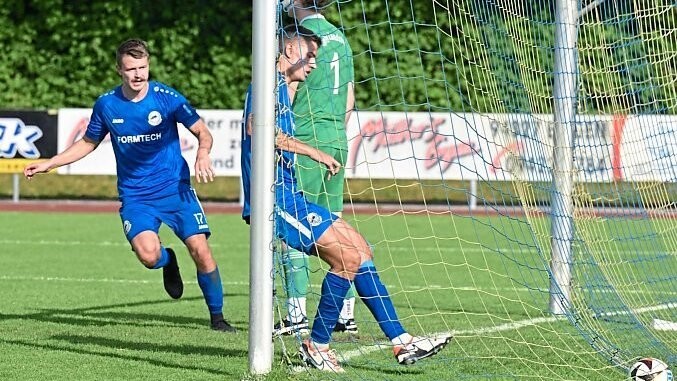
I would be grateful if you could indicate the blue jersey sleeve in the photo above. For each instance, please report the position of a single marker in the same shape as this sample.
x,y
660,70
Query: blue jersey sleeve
x,y
246,156
285,121
248,103
97,128
184,112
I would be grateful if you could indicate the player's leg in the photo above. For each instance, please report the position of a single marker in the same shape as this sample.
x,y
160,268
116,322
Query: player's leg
x,y
189,223
331,196
335,248
209,280
297,226
327,191
346,322
141,223
407,348
295,264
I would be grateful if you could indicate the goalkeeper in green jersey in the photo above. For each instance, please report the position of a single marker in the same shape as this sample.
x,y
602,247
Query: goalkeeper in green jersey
x,y
322,106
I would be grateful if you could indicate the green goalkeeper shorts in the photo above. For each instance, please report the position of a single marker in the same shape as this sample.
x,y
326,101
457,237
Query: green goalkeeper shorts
x,y
312,179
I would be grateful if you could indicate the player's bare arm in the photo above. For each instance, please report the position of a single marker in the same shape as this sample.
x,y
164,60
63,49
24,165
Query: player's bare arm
x,y
291,144
250,124
75,152
350,101
204,171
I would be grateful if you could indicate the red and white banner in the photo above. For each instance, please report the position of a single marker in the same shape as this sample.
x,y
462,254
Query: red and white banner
x,y
469,146
446,146
223,124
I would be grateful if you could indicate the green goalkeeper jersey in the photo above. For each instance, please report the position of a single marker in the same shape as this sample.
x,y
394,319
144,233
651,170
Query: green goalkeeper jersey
x,y
320,101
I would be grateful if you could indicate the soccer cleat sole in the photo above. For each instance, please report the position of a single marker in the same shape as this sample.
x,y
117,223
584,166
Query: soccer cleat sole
x,y
288,331
434,351
283,329
343,328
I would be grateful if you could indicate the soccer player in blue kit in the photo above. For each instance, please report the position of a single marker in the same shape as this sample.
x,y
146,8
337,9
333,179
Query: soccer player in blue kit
x,y
154,186
314,230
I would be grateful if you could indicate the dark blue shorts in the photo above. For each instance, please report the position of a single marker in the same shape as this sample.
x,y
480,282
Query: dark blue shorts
x,y
182,213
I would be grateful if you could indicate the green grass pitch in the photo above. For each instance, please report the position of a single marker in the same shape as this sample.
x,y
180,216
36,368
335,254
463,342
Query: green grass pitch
x,y
77,305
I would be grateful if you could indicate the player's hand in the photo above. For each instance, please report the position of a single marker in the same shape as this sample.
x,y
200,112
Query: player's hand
x,y
34,168
250,124
332,164
204,172
334,168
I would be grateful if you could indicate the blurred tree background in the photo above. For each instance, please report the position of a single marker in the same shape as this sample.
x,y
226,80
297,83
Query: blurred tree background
x,y
469,56
427,55
62,53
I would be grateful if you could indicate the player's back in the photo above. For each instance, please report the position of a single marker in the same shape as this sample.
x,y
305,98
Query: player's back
x,y
285,180
320,102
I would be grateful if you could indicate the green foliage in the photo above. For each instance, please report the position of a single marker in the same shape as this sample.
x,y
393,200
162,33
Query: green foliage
x,y
464,56
62,54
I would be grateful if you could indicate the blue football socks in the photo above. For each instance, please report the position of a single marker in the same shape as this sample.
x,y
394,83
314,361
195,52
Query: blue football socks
x,y
374,294
164,259
334,289
212,289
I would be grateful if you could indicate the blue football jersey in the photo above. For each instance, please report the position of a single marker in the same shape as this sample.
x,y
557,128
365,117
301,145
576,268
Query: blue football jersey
x,y
285,180
246,154
145,140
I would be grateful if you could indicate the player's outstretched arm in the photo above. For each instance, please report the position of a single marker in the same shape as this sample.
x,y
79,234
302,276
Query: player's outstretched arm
x,y
204,171
75,152
291,144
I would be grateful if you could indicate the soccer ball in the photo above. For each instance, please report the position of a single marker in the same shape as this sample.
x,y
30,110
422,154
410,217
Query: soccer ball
x,y
650,369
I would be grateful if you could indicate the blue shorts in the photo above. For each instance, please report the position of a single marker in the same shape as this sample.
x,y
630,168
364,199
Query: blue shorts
x,y
181,212
299,223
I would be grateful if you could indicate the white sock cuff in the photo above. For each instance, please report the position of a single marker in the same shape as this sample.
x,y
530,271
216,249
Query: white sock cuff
x,y
402,339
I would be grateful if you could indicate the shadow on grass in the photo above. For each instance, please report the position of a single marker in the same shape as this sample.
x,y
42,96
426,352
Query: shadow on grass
x,y
102,316
128,357
99,316
401,371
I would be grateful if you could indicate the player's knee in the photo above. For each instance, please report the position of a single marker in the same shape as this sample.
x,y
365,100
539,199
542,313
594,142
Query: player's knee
x,y
366,254
200,252
148,259
148,255
351,262
202,256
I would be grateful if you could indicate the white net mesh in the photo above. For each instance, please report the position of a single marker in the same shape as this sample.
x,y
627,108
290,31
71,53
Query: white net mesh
x,y
450,157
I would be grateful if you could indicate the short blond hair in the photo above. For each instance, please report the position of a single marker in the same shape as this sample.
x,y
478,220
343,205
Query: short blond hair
x,y
133,47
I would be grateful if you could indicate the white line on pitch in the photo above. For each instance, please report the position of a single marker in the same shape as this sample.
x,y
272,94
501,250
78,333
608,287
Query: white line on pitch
x,y
408,288
467,332
347,355
225,283
635,311
468,249
94,243
664,325
101,280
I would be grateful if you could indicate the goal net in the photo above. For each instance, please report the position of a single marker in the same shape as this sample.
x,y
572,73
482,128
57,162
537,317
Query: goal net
x,y
451,178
